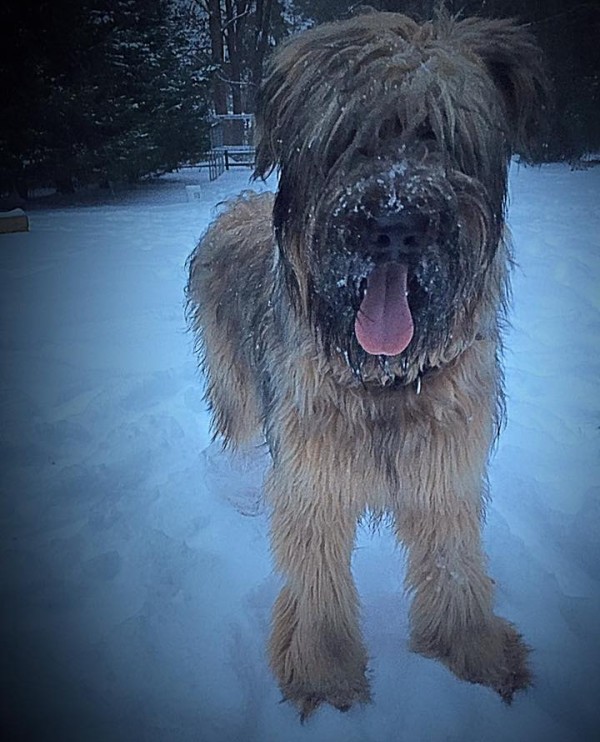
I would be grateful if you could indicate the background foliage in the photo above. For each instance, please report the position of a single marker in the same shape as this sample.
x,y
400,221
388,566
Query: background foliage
x,y
97,91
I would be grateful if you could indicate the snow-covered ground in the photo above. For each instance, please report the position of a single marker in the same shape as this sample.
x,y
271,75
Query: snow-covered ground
x,y
136,582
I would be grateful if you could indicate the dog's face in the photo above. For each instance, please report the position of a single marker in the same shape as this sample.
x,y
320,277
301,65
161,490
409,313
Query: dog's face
x,y
393,142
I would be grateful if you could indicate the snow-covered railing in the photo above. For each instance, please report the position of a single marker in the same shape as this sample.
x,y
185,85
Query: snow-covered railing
x,y
231,143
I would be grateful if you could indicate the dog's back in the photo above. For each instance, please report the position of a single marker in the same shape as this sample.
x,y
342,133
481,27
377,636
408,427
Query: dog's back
x,y
224,310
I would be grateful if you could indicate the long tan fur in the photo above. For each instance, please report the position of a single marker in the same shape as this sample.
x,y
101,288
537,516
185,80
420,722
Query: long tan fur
x,y
408,435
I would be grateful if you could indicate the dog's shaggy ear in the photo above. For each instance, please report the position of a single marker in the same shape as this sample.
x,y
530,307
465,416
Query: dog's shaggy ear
x,y
515,63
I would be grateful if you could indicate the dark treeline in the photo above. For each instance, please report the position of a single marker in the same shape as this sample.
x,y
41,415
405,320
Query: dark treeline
x,y
99,91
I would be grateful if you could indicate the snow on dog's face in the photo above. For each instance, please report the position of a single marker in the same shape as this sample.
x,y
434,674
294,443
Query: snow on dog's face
x,y
393,141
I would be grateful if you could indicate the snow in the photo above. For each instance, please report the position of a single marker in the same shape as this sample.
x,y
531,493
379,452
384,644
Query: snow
x,y
136,580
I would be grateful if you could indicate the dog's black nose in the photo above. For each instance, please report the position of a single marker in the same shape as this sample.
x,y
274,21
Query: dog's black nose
x,y
400,235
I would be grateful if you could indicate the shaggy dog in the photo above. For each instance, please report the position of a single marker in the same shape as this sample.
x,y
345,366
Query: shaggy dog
x,y
354,317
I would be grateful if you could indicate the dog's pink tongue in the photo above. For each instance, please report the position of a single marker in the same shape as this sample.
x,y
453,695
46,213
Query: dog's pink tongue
x,y
384,324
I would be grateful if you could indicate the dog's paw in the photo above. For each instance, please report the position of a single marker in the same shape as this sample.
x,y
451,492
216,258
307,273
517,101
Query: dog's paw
x,y
494,656
324,662
307,698
514,674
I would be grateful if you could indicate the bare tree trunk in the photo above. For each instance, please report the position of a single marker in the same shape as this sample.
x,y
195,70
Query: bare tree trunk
x,y
235,21
238,60
261,45
216,42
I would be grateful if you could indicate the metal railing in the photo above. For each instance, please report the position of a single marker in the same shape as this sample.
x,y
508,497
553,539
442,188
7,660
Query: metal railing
x,y
231,143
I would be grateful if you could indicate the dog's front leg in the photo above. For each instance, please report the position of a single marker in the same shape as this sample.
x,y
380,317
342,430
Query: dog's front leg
x,y
316,650
452,616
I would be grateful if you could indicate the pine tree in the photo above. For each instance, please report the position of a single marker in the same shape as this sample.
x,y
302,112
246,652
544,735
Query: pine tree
x,y
102,90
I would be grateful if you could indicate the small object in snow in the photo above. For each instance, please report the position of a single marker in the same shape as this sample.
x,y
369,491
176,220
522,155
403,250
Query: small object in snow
x,y
15,220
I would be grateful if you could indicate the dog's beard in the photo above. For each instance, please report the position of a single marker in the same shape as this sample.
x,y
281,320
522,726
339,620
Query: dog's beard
x,y
395,312
347,297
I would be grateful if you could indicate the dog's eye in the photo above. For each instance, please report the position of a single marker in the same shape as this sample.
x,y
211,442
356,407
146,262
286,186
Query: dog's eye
x,y
390,129
339,147
426,134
